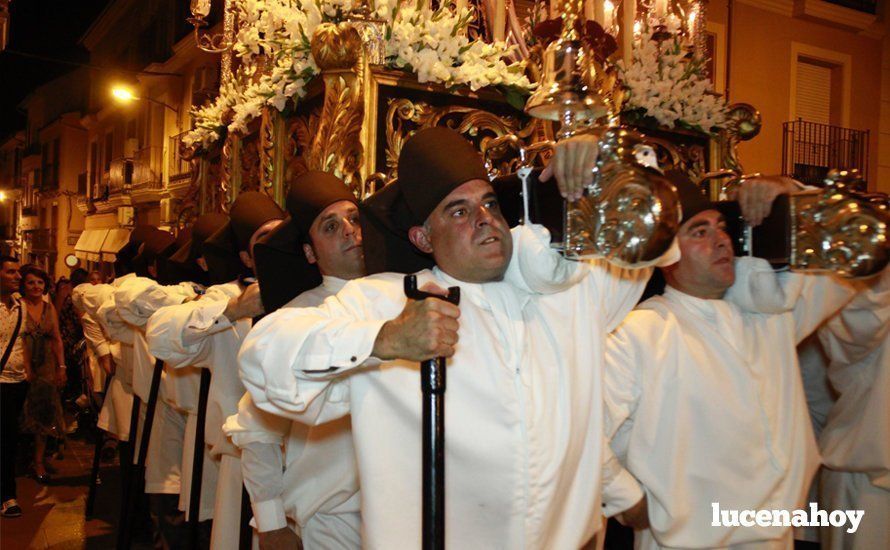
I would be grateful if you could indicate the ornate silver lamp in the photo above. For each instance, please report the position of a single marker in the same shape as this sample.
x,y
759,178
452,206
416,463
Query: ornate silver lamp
x,y
630,214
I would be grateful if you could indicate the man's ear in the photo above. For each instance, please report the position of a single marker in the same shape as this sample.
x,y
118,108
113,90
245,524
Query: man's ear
x,y
310,254
245,258
420,238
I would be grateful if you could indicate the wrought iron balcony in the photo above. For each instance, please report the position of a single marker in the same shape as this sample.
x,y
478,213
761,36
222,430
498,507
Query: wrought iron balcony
x,y
146,168
810,150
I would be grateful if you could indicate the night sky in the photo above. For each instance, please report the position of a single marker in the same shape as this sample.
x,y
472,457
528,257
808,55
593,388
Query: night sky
x,y
48,28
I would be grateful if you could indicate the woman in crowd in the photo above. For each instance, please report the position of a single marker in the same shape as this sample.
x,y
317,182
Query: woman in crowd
x,y
44,366
71,331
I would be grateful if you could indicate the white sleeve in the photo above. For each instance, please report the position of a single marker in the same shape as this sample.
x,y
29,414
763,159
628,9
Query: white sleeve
x,y
115,327
863,324
537,267
621,393
95,338
821,296
140,299
810,297
180,334
260,436
294,357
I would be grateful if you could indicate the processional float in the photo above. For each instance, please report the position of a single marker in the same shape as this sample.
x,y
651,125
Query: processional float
x,y
359,112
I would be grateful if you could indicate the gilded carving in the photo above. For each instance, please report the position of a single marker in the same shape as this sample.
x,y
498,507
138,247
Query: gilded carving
x,y
335,144
404,117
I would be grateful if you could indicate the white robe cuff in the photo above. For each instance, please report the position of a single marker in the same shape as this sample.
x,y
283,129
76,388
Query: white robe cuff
x,y
362,334
269,515
622,492
206,321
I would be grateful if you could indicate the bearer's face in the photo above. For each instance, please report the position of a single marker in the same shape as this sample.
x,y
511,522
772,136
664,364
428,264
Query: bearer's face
x,y
467,234
706,268
10,276
336,238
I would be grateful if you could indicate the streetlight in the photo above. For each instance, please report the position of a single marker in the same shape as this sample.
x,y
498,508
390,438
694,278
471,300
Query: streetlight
x,y
125,95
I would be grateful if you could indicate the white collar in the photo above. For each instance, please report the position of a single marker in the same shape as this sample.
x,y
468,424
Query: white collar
x,y
333,284
484,294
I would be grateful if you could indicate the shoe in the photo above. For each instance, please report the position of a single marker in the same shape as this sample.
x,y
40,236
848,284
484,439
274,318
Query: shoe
x,y
11,509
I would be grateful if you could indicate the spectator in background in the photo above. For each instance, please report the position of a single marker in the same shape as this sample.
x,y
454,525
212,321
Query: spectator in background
x,y
13,386
44,366
71,331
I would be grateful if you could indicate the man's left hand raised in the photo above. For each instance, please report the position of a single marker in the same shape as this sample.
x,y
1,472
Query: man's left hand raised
x,y
572,164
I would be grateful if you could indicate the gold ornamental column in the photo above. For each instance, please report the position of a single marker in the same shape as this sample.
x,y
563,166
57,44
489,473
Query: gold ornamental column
x,y
336,146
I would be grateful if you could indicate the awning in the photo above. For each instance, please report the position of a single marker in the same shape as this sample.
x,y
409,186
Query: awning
x,y
89,244
115,240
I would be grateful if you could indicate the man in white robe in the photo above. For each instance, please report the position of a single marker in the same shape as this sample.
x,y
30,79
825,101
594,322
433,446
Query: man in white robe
x,y
87,298
705,400
855,441
303,480
207,333
524,450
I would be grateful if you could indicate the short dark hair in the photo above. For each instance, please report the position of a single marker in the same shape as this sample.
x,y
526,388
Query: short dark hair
x,y
5,258
37,272
79,276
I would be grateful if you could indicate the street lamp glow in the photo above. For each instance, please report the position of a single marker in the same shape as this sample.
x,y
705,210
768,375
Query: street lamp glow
x,y
123,94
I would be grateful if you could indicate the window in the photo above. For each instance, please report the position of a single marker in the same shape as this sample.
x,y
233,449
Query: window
x,y
109,150
813,91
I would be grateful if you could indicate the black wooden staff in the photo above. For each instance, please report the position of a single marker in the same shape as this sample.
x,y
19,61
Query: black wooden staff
x,y
126,520
97,455
198,462
137,478
432,385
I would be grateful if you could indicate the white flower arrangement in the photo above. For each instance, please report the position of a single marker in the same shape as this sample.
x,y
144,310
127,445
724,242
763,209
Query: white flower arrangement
x,y
276,64
664,83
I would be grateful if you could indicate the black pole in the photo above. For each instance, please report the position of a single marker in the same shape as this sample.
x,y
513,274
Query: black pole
x,y
149,416
126,519
245,536
198,463
432,386
97,457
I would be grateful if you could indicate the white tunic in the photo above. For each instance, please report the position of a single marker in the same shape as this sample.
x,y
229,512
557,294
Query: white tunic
x,y
855,441
524,450
708,406
114,417
135,302
86,299
316,486
198,334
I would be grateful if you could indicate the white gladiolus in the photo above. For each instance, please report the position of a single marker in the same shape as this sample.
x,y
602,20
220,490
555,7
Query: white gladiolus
x,y
668,87
431,43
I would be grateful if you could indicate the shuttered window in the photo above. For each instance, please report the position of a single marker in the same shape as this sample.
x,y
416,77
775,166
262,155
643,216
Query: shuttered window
x,y
813,99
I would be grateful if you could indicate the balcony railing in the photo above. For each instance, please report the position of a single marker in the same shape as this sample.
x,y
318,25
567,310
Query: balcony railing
x,y
865,6
180,169
810,150
146,169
